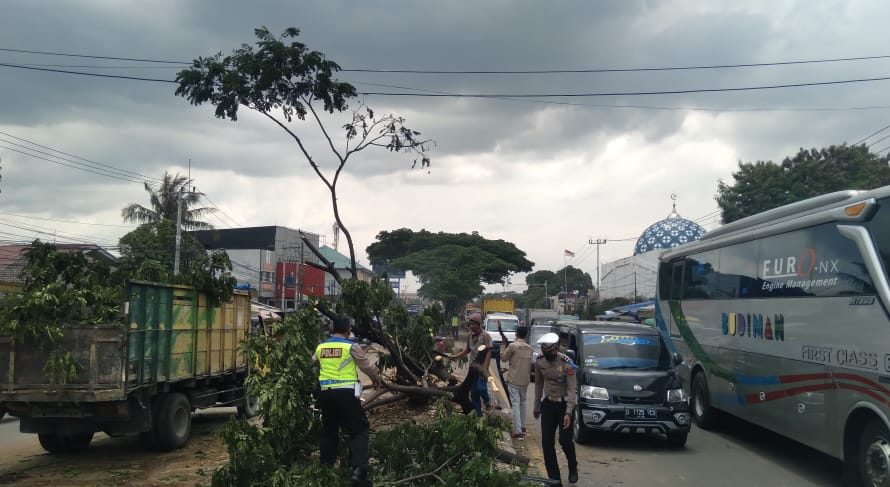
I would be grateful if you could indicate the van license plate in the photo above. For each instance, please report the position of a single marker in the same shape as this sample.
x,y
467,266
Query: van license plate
x,y
640,413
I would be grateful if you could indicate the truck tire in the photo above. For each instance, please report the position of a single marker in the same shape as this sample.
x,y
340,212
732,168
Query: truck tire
x,y
174,422
704,415
58,443
248,407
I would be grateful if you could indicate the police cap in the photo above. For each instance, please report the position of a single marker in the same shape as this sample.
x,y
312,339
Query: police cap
x,y
548,339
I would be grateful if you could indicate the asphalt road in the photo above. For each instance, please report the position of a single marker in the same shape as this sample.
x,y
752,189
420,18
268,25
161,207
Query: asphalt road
x,y
736,454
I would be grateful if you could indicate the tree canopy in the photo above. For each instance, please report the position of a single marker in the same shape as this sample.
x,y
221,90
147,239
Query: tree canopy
x,y
452,266
544,283
163,204
281,78
764,185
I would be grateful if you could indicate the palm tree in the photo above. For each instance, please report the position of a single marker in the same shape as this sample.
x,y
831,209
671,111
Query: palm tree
x,y
163,204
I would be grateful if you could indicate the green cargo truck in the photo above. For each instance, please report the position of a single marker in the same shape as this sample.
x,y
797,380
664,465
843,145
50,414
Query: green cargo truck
x,y
174,354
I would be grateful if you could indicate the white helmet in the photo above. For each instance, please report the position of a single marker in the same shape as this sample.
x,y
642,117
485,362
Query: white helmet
x,y
548,339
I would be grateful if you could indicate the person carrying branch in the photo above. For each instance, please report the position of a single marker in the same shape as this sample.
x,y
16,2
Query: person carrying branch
x,y
478,337
339,359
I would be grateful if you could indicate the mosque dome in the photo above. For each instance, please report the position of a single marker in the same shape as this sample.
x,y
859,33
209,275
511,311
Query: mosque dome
x,y
668,233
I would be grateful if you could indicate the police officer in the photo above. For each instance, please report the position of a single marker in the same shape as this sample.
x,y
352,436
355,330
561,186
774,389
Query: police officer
x,y
339,400
556,389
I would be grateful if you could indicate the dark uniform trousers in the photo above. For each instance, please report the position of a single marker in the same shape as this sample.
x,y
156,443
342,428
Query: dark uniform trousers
x,y
341,409
552,414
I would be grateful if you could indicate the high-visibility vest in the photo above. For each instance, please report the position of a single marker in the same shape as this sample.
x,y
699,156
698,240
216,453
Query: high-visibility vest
x,y
338,370
455,322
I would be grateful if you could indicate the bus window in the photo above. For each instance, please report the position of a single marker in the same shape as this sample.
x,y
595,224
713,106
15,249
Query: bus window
x,y
879,227
700,275
677,281
737,277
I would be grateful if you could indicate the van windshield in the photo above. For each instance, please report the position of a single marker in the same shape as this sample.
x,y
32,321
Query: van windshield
x,y
537,332
639,352
507,324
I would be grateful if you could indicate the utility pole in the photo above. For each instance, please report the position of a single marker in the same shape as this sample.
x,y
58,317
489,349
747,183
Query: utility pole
x,y
178,232
598,242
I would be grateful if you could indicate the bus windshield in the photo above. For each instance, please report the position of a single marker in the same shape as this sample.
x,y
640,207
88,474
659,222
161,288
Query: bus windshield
x,y
638,352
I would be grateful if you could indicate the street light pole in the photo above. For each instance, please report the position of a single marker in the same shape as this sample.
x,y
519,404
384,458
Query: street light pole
x,y
178,232
598,242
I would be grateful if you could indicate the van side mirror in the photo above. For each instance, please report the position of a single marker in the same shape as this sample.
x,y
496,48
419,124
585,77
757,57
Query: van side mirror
x,y
678,359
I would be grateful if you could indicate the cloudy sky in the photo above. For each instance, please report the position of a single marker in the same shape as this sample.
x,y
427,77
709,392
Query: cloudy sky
x,y
548,174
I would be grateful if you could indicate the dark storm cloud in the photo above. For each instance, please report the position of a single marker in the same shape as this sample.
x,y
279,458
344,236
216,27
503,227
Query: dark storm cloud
x,y
142,127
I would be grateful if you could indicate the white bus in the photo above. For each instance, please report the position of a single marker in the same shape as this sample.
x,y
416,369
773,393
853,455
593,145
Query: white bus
x,y
782,319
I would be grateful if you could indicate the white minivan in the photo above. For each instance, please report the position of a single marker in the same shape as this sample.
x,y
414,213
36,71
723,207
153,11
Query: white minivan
x,y
508,323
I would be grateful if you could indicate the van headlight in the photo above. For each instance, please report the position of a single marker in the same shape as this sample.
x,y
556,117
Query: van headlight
x,y
592,392
676,395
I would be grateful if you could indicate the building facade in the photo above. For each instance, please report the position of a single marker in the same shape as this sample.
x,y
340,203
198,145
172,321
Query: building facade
x,y
270,259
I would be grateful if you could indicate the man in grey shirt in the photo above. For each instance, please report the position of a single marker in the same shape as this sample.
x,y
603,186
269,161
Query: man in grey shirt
x,y
477,337
518,356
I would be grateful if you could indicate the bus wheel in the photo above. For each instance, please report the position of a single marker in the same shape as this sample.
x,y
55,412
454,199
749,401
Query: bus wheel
x,y
705,416
874,454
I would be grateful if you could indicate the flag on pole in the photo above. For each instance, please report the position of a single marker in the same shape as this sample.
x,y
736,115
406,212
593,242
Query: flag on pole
x,y
569,253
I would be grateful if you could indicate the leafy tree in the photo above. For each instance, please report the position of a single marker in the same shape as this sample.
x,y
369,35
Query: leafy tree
x,y
282,80
59,289
147,254
452,266
763,185
164,205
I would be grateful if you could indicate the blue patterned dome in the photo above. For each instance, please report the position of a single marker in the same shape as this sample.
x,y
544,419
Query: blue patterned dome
x,y
668,233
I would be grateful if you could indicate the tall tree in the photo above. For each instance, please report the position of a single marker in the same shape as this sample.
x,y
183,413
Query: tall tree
x,y
163,201
282,80
764,185
451,266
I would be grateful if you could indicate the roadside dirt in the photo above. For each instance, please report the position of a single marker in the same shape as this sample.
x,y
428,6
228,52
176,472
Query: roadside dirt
x,y
121,461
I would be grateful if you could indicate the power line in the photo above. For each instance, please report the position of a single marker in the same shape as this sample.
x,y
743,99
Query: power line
x,y
526,71
613,70
67,221
89,56
108,171
232,220
879,140
81,158
872,134
73,167
519,95
97,75
629,93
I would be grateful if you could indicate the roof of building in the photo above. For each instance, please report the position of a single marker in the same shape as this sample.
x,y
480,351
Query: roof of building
x,y
247,238
339,260
668,233
12,257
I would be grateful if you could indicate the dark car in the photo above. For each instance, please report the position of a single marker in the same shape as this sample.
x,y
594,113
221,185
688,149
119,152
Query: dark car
x,y
627,381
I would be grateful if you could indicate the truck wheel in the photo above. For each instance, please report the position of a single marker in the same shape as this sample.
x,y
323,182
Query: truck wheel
x,y
58,443
581,433
873,455
705,416
174,423
248,407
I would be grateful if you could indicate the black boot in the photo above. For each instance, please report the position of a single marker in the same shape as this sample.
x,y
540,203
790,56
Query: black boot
x,y
360,477
573,475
